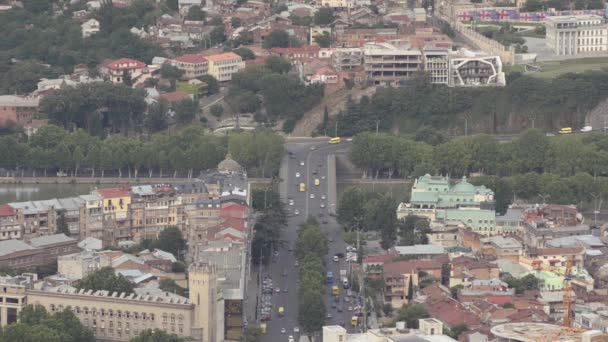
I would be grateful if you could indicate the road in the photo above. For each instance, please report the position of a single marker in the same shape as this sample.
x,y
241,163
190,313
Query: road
x,y
314,161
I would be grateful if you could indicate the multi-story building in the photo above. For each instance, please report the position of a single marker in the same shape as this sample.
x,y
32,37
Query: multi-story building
x,y
386,63
436,199
55,245
116,218
18,254
18,109
347,58
91,217
339,4
577,34
470,69
430,330
121,316
193,65
36,218
539,332
401,277
116,70
436,64
224,65
9,223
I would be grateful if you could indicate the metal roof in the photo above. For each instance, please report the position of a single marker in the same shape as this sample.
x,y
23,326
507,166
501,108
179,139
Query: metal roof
x,y
11,246
50,240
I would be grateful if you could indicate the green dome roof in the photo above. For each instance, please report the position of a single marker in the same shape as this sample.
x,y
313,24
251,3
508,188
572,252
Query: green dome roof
x,y
464,186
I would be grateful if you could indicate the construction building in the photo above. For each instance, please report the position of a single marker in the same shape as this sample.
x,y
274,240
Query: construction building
x,y
386,63
471,69
542,332
347,58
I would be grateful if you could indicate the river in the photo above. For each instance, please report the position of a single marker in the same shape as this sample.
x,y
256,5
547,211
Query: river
x,y
33,192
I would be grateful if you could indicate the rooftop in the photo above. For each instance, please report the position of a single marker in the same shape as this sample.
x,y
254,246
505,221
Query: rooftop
x,y
420,249
124,63
536,332
11,246
6,210
50,240
502,242
176,96
223,57
191,58
113,192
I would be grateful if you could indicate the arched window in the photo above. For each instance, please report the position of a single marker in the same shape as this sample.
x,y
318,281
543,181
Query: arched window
x,y
118,313
127,315
111,313
172,318
165,317
135,315
152,317
52,307
86,310
77,309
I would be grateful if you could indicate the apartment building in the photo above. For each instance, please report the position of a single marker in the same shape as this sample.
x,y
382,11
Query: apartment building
x,y
120,316
18,109
436,64
193,65
116,218
36,218
115,71
338,4
9,223
91,217
224,65
577,34
387,64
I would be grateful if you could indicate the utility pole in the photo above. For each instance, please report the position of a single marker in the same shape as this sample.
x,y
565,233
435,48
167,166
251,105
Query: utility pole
x,y
336,131
377,122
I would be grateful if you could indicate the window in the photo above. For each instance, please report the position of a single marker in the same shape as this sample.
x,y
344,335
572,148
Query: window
x,y
52,306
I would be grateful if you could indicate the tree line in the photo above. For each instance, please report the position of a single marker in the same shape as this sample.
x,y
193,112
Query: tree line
x,y
566,169
272,93
525,101
180,153
268,228
310,250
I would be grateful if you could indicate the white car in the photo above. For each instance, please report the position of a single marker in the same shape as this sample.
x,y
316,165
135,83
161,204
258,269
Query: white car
x,y
312,196
302,163
336,259
283,330
322,197
587,129
291,202
290,339
322,205
297,175
296,212
323,177
296,330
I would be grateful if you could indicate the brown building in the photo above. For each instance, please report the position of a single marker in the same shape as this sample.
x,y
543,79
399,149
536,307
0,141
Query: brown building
x,y
9,223
18,109
18,254
401,275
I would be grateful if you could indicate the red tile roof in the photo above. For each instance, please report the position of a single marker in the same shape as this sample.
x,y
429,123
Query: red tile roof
x,y
6,210
234,210
116,64
113,192
191,58
378,259
176,96
223,57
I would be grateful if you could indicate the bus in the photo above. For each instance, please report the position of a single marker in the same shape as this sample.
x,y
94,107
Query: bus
x,y
335,291
354,321
263,328
302,187
335,140
565,130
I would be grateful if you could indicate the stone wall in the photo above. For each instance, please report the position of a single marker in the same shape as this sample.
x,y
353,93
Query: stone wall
x,y
507,54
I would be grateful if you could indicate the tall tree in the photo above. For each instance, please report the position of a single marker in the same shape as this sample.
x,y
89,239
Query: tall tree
x,y
106,279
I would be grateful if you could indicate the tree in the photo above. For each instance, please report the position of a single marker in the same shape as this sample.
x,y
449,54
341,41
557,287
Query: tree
x,y
171,73
245,53
62,225
185,111
171,240
455,331
311,312
217,35
216,110
156,119
324,16
235,22
311,240
277,38
324,40
351,207
213,85
157,335
278,64
170,285
172,5
411,313
528,282
195,13
106,279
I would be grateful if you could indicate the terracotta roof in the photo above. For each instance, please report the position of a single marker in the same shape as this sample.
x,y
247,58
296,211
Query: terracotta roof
x,y
191,58
6,210
233,210
115,64
223,57
113,192
379,258
176,96
451,312
403,267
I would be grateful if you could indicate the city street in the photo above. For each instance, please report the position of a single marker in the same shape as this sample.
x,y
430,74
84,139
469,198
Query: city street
x,y
314,155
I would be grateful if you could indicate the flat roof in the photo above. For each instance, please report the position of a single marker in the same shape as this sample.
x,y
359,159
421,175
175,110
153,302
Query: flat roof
x,y
535,332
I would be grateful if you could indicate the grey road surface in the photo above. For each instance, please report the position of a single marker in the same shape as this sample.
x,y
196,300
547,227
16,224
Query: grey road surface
x,y
315,167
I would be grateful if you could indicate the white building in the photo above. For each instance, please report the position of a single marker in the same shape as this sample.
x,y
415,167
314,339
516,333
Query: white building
x,y
431,330
574,35
89,28
474,69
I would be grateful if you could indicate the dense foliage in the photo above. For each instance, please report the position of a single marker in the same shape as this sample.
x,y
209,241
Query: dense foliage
x,y
311,248
268,227
282,95
106,279
181,153
36,324
157,335
525,101
47,45
566,169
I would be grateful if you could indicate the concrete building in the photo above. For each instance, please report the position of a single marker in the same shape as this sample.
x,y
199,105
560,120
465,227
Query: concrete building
x,y
120,316
89,27
78,265
445,233
193,65
18,254
436,64
18,109
347,58
539,332
9,223
386,63
472,69
575,35
430,330
55,245
504,247
511,223
224,65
